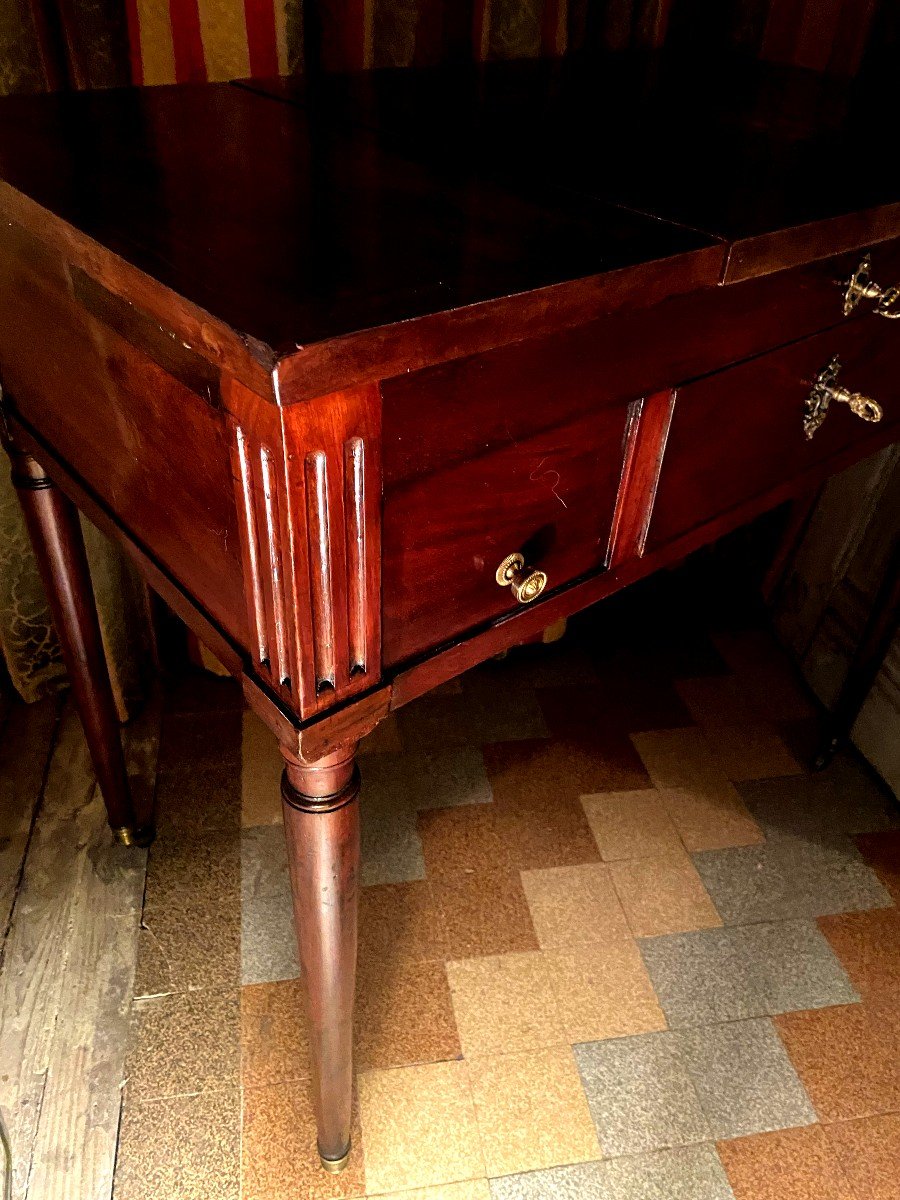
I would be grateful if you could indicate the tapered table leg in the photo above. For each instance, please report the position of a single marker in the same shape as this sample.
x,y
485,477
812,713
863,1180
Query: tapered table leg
x,y
56,535
321,823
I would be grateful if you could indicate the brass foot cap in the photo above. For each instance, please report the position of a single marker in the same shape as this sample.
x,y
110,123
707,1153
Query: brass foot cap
x,y
142,835
334,1166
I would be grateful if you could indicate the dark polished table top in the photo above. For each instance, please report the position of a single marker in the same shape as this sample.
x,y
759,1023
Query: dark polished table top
x,y
299,211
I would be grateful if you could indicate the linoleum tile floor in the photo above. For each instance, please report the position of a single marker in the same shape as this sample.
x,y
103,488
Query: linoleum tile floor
x,y
616,943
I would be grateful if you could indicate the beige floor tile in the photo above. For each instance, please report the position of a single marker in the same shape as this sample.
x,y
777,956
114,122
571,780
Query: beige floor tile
x,y
188,1147
714,700
698,795
403,1014
532,1111
184,1043
745,746
630,824
274,1045
573,907
419,1127
770,681
604,992
504,1004
752,751
711,820
663,895
484,912
471,1189
679,758
261,767
279,1160
400,921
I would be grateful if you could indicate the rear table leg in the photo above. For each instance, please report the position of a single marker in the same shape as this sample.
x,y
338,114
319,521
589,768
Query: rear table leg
x,y
55,532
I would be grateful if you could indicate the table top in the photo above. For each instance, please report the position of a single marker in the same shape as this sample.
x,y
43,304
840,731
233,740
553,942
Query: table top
x,y
299,211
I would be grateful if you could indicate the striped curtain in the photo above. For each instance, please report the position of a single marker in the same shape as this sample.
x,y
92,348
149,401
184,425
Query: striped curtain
x,y
181,41
91,43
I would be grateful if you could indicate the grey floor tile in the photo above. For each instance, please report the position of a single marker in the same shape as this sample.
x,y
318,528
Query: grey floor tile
x,y
731,974
446,778
744,1078
268,948
499,710
435,720
828,875
264,869
747,884
391,850
844,799
688,1173
701,978
487,709
791,966
640,1094
268,942
790,877
586,1181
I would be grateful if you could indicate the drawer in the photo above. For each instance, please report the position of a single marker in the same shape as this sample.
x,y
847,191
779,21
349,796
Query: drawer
x,y
739,433
471,404
520,449
549,495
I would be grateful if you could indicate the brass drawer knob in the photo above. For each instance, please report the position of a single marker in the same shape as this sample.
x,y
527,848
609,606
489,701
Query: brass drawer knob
x,y
526,583
860,286
826,388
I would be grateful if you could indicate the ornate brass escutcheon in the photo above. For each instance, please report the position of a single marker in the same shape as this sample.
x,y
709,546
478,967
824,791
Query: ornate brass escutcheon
x,y
826,388
526,583
860,286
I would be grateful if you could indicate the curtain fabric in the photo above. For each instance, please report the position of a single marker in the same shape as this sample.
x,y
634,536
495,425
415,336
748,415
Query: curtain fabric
x,y
100,43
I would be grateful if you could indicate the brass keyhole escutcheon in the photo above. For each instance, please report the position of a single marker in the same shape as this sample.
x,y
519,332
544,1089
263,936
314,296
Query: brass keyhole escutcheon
x,y
826,388
526,583
861,286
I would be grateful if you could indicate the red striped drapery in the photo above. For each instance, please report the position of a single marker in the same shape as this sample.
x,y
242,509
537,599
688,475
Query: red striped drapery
x,y
182,40
93,43
218,39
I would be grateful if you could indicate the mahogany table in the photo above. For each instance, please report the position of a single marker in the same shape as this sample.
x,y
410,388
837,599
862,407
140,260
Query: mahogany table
x,y
374,376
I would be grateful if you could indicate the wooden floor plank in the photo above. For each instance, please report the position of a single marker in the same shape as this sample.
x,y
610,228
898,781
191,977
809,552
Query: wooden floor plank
x,y
66,986
24,747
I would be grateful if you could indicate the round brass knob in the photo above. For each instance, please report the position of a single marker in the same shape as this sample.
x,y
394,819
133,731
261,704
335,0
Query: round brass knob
x,y
526,583
860,286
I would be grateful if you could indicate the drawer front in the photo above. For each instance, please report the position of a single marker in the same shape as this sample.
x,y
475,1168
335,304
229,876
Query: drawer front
x,y
737,434
520,449
455,407
549,495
